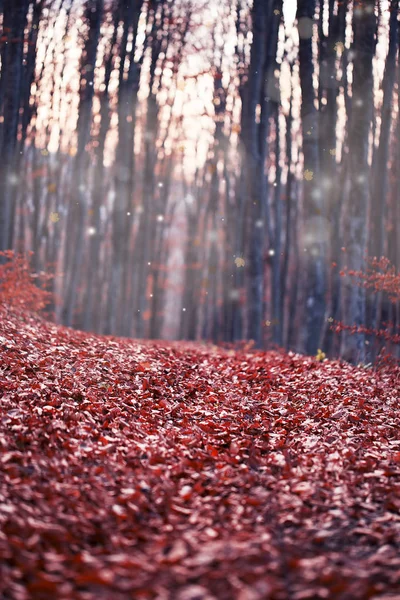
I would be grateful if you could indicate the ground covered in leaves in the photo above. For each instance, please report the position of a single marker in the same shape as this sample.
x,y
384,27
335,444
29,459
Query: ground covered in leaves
x,y
184,472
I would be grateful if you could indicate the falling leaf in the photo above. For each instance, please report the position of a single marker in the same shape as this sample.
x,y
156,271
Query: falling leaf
x,y
54,217
308,175
239,261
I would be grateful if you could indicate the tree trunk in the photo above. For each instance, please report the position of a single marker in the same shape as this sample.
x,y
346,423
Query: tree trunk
x,y
14,23
127,100
315,241
381,166
98,195
77,210
361,116
255,177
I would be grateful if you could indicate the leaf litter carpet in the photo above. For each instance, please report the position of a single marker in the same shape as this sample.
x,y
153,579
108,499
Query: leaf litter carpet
x,y
179,471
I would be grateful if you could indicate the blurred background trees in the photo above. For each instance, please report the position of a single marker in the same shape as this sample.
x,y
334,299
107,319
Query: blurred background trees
x,y
204,170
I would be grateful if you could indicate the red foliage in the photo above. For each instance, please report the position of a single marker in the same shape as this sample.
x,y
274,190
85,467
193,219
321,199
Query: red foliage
x,y
18,289
145,470
380,276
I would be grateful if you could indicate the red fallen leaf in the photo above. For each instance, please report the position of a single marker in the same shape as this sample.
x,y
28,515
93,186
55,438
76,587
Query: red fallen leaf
x,y
367,532
210,532
100,577
213,451
158,486
392,502
44,586
234,448
119,510
186,492
180,509
194,592
144,366
8,456
252,501
176,553
103,440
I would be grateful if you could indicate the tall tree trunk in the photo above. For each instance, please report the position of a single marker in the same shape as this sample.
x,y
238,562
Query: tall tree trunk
x,y
89,320
77,210
148,220
14,23
276,289
292,335
329,88
29,71
287,251
364,24
255,164
314,206
381,166
127,100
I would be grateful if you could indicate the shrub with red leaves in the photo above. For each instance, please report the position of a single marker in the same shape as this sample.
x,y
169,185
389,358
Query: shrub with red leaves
x,y
379,277
152,471
18,286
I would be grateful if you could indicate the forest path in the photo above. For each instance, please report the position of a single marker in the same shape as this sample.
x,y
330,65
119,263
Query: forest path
x,y
174,470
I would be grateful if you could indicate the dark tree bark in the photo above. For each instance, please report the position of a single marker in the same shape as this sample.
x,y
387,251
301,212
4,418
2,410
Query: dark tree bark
x,y
241,201
78,208
314,205
29,71
290,200
145,226
364,24
14,23
381,163
276,289
125,165
329,88
259,93
92,288
192,260
254,167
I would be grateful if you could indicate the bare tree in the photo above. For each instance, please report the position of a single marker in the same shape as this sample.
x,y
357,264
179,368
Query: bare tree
x,y
12,56
364,26
78,205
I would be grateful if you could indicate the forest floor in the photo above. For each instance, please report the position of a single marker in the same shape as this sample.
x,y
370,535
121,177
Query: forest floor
x,y
186,472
